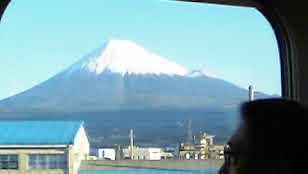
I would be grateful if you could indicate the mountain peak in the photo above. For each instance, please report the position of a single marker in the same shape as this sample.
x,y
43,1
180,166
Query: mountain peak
x,y
124,56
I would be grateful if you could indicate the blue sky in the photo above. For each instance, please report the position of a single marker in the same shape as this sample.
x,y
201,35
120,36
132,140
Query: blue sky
x,y
38,39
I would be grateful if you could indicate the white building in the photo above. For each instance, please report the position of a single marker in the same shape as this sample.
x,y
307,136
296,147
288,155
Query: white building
x,y
154,153
107,153
143,153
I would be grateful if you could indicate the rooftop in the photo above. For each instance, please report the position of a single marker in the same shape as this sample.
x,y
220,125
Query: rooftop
x,y
38,132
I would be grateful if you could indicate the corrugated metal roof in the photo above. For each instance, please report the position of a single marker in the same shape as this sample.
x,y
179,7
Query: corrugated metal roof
x,y
38,132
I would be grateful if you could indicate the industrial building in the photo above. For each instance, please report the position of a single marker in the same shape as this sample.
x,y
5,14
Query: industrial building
x,y
42,147
140,153
203,150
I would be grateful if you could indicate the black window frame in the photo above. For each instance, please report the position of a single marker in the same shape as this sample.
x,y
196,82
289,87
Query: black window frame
x,y
9,162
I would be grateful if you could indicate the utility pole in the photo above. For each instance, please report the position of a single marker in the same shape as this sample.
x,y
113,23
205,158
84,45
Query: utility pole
x,y
251,93
189,132
131,136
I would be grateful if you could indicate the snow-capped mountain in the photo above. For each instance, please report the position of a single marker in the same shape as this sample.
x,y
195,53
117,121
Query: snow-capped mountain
x,y
120,75
123,56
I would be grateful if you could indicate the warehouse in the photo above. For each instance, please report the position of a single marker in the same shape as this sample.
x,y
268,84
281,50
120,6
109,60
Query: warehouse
x,y
40,147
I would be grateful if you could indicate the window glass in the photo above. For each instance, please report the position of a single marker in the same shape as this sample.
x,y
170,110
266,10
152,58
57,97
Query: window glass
x,y
151,79
52,162
8,162
32,161
42,161
47,161
4,157
62,162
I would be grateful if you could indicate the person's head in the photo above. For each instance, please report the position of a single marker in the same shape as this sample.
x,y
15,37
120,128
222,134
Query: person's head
x,y
270,138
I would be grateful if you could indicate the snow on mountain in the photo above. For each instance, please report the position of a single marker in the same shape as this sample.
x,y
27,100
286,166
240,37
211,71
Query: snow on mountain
x,y
123,56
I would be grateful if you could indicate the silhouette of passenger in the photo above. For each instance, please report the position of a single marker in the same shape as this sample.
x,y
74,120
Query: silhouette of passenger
x,y
271,139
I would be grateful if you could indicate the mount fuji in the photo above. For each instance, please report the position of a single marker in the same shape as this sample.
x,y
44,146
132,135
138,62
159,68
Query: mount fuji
x,y
121,75
120,83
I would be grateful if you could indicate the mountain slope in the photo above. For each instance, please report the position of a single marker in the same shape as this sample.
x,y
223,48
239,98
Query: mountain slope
x,y
121,86
121,75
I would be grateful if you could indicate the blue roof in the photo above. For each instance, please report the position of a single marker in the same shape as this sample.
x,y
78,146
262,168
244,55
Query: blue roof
x,y
38,132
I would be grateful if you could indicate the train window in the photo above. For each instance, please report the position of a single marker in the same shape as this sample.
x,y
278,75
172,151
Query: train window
x,y
158,83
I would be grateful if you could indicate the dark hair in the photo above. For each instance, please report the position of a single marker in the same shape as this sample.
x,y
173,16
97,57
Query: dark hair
x,y
276,132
